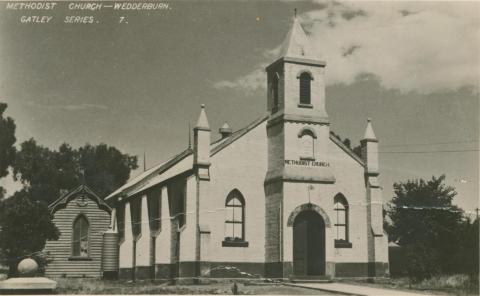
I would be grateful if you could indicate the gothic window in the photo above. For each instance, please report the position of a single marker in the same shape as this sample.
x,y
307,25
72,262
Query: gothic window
x,y
341,209
235,217
305,94
275,91
307,144
80,237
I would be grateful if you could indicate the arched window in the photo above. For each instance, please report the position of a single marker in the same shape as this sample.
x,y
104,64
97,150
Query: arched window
x,y
305,81
341,221
235,217
80,237
307,144
275,91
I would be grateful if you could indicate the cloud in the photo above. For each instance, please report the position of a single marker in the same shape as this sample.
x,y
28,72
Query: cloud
x,y
409,46
248,83
69,107
83,107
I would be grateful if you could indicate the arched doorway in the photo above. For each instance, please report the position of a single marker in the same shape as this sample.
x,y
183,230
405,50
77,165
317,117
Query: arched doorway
x,y
308,244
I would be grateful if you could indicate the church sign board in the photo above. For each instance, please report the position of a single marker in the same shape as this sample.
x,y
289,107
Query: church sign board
x,y
308,163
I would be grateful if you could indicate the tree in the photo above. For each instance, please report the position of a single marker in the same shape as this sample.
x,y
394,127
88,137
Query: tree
x,y
25,226
7,140
105,168
424,221
49,172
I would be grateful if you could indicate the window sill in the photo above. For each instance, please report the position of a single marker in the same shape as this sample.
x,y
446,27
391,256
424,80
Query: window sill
x,y
242,244
300,105
341,244
76,258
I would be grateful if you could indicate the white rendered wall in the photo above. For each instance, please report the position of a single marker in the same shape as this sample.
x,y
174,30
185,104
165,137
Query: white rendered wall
x,y
126,247
163,242
143,243
242,165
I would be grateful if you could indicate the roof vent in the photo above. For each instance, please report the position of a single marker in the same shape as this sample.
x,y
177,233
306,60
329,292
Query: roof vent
x,y
225,130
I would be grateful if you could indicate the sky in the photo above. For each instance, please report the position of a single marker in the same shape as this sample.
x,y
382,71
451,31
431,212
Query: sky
x,y
413,67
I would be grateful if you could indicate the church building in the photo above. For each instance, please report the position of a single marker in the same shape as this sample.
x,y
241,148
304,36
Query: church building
x,y
281,198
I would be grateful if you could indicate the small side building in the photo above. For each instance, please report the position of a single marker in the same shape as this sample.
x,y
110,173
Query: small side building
x,y
82,218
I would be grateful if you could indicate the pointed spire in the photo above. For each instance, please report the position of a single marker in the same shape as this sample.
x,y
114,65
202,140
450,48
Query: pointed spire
x,y
202,122
297,44
369,134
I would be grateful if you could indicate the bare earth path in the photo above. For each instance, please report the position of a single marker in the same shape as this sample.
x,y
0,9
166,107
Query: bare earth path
x,y
356,289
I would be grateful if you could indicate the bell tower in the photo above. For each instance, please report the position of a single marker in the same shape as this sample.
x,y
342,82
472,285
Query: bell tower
x,y
298,132
298,127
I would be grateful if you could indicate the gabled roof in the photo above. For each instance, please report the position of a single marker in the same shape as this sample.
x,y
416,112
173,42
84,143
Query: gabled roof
x,y
82,189
297,44
236,135
345,148
152,172
151,177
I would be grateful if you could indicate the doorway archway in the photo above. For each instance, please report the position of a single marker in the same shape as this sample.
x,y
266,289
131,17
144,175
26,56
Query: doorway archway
x,y
308,244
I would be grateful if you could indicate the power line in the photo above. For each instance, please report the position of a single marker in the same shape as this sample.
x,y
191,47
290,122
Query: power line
x,y
428,151
426,144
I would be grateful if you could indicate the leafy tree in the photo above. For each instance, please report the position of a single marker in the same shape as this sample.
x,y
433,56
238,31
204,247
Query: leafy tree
x,y
467,255
25,226
347,142
7,140
358,150
424,221
49,172
105,168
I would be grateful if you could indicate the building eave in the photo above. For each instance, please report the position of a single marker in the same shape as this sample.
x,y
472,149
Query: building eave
x,y
347,150
63,200
140,180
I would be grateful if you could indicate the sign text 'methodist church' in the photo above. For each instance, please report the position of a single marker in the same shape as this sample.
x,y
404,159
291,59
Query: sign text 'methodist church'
x,y
280,198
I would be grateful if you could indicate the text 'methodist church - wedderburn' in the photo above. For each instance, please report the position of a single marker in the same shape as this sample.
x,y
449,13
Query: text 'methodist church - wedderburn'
x,y
280,198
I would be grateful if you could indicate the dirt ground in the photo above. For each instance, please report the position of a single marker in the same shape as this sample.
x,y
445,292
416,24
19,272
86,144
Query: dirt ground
x,y
91,286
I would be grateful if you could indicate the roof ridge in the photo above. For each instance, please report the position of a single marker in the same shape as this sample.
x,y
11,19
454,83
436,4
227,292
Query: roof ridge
x,y
154,170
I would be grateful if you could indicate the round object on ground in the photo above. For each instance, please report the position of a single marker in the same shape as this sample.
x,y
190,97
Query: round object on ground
x,y
27,267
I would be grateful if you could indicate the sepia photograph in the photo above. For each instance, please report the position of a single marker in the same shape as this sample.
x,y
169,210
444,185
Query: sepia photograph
x,y
262,147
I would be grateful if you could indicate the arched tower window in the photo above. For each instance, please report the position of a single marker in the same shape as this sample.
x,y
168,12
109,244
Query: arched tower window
x,y
235,217
307,143
305,89
275,91
80,237
341,221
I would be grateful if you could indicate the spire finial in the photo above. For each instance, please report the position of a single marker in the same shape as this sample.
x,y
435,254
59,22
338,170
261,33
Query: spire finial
x,y
189,136
144,160
295,12
369,119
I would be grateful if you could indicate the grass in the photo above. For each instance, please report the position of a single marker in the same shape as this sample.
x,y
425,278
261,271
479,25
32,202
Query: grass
x,y
93,286
457,284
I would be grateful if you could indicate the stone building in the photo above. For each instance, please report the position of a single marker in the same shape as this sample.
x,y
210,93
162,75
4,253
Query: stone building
x,y
280,198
